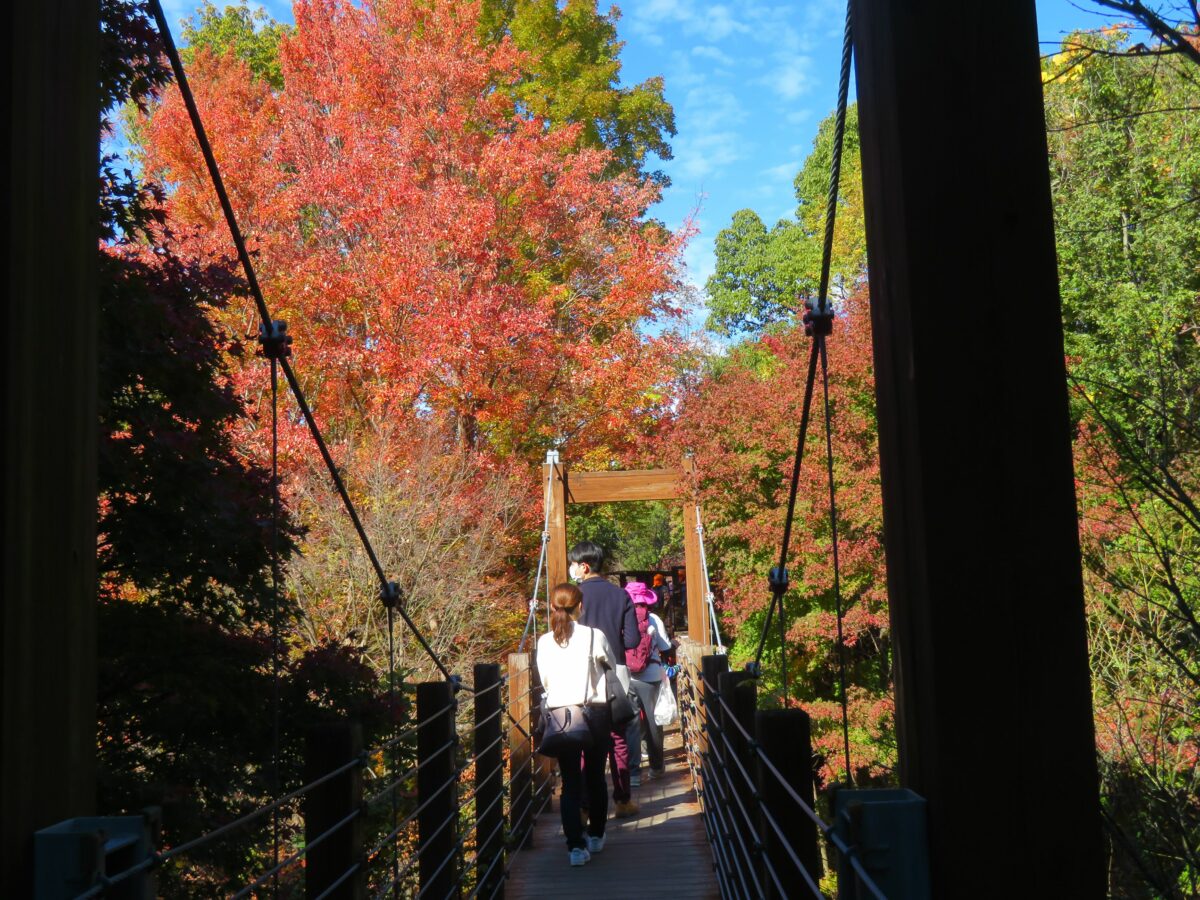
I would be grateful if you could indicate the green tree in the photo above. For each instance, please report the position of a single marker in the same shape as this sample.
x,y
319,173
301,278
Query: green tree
x,y
762,273
1124,142
573,78
251,34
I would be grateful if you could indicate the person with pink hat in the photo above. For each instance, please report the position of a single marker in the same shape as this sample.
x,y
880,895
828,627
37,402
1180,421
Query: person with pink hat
x,y
646,680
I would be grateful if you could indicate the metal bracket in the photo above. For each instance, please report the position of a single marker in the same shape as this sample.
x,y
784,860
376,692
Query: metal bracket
x,y
274,341
391,595
817,321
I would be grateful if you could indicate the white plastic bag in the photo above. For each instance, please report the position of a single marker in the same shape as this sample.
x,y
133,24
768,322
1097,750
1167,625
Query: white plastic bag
x,y
665,707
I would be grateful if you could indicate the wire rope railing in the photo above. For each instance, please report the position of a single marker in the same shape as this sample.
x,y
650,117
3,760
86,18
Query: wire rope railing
x,y
759,815
466,804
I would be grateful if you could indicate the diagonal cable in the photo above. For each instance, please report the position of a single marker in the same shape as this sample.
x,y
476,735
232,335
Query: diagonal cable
x,y
268,324
818,323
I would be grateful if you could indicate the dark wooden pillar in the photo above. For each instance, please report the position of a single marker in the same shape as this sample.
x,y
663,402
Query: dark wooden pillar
x,y
47,635
979,505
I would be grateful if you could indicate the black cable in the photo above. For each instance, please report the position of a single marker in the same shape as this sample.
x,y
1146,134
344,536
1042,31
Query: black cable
x,y
391,619
779,584
264,313
837,580
275,671
835,165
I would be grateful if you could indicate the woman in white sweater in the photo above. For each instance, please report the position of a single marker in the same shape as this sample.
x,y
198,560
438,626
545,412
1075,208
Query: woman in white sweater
x,y
571,659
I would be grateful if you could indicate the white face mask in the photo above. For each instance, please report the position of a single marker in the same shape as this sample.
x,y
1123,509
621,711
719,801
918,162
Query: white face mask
x,y
576,572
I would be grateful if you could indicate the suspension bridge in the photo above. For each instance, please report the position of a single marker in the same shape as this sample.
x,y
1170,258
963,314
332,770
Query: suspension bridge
x,y
457,803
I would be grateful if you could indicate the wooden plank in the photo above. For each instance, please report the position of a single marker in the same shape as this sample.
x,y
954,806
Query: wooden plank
x,y
609,487
664,848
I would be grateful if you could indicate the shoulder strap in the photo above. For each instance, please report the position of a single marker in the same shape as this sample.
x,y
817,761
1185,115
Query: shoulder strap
x,y
587,684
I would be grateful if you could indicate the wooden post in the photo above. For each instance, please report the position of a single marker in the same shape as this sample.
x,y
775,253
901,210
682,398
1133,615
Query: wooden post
x,y
697,608
327,748
520,750
437,772
48,620
489,781
554,476
544,767
975,443
785,737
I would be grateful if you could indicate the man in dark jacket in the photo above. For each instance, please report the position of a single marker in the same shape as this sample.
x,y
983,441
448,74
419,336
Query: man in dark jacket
x,y
608,608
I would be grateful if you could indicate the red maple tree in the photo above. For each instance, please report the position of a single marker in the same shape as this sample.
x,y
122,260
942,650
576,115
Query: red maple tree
x,y
437,254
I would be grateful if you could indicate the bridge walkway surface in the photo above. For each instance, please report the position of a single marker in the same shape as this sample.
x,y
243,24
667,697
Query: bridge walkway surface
x,y
663,848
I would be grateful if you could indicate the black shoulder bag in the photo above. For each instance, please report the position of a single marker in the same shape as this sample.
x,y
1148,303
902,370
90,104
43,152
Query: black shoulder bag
x,y
565,729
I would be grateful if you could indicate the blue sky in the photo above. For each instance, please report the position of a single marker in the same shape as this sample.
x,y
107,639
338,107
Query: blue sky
x,y
750,80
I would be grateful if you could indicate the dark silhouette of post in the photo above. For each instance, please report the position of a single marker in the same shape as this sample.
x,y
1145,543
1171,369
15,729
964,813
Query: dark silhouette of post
x,y
785,736
437,772
489,781
979,507
47,620
327,748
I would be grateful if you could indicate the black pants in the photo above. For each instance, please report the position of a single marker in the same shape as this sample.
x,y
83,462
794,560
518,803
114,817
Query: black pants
x,y
647,728
585,771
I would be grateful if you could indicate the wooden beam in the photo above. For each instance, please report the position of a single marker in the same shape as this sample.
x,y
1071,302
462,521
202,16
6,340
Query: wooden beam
x,y
554,477
697,608
609,487
984,575
48,620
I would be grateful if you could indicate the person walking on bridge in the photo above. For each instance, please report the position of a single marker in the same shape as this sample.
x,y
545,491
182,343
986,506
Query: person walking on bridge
x,y
608,608
571,659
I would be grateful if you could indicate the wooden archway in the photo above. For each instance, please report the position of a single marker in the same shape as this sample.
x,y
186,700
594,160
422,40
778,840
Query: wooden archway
x,y
630,486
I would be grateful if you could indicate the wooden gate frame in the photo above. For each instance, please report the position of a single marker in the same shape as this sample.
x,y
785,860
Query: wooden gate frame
x,y
628,486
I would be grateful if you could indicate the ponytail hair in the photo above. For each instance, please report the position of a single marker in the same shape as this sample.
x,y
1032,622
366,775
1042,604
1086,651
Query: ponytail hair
x,y
564,603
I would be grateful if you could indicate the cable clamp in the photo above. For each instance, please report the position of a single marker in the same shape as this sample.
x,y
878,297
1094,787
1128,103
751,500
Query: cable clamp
x,y
777,578
456,683
754,669
274,341
391,595
817,321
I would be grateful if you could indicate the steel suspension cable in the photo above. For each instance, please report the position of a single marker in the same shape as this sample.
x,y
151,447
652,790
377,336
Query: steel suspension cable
x,y
531,622
275,667
818,321
835,172
270,326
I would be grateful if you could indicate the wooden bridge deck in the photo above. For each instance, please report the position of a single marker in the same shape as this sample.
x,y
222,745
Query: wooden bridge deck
x,y
663,849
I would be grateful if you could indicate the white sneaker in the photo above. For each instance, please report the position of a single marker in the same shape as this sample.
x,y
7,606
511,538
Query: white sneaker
x,y
579,856
595,844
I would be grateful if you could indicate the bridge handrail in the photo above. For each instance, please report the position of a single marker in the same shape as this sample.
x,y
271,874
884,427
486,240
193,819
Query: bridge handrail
x,y
718,767
518,799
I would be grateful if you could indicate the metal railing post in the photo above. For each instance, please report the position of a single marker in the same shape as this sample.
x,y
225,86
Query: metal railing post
x,y
785,738
327,748
437,774
520,750
489,781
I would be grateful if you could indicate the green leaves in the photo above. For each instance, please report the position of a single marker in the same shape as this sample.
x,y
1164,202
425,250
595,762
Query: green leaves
x,y
762,275
572,78
250,34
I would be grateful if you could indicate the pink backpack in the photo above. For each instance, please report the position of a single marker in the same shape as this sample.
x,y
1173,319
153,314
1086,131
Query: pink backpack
x,y
637,658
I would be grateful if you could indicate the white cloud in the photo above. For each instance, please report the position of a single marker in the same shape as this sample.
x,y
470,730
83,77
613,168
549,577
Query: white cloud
x,y
703,154
706,51
790,78
782,172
